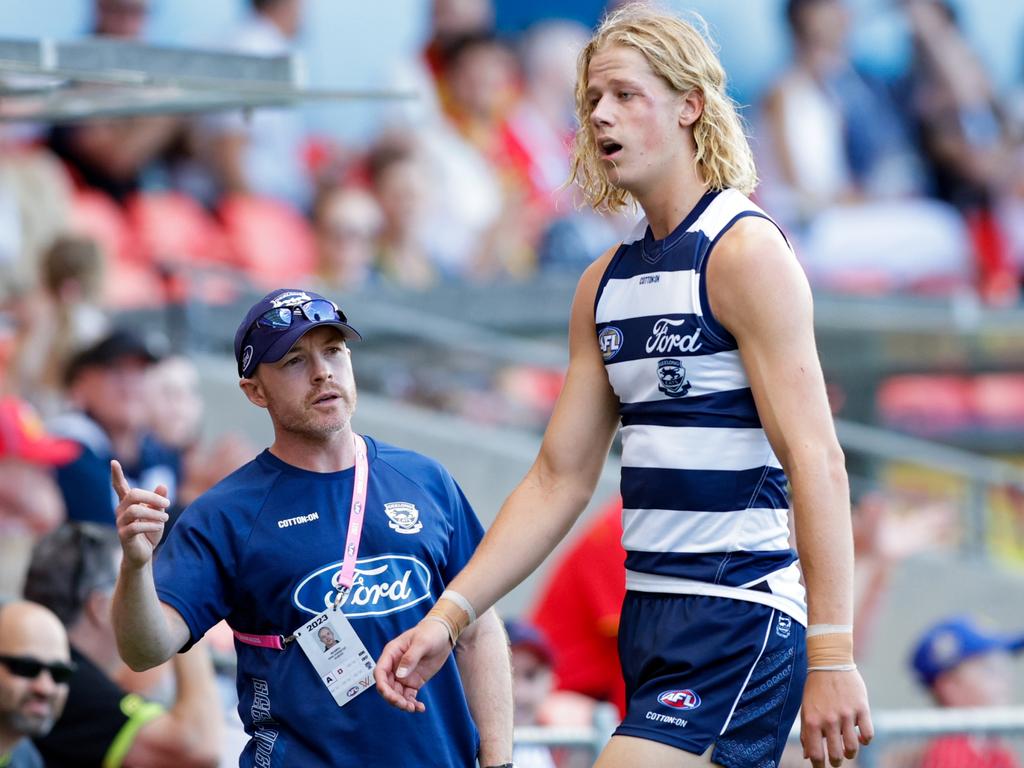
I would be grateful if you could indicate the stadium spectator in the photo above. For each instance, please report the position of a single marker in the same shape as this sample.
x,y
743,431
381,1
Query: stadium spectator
x,y
347,222
262,154
836,135
34,670
965,133
964,663
886,532
30,501
64,315
398,177
542,120
482,76
578,608
532,683
106,387
120,19
450,20
73,573
842,172
293,360
112,155
537,703
176,416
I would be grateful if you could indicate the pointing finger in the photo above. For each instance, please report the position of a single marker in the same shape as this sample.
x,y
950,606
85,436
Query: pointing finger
x,y
118,480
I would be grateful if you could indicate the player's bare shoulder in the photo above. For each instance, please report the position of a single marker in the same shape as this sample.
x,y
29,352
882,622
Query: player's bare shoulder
x,y
751,242
752,269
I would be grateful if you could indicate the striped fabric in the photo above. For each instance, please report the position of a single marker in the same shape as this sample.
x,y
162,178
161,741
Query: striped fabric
x,y
705,507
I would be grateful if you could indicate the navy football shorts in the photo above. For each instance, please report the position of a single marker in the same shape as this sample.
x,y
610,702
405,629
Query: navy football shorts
x,y
711,670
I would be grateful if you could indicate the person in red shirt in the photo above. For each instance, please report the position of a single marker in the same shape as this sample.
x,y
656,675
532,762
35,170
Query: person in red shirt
x,y
965,664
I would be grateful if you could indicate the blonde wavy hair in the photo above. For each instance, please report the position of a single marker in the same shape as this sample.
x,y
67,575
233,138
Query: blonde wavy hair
x,y
683,56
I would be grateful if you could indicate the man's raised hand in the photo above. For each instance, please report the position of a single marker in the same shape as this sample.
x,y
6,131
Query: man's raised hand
x,y
140,517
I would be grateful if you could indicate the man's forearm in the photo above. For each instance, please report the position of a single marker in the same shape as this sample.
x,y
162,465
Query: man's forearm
x,y
824,539
144,638
486,670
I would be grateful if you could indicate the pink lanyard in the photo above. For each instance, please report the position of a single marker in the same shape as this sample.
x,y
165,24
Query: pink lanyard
x,y
348,565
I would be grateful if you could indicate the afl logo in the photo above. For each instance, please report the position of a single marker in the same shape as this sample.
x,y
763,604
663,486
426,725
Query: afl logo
x,y
610,342
680,699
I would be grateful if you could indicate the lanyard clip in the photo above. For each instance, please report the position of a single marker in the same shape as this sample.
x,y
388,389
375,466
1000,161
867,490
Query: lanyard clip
x,y
339,598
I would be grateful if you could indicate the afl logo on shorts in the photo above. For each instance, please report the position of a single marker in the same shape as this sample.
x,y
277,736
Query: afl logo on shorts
x,y
679,699
610,341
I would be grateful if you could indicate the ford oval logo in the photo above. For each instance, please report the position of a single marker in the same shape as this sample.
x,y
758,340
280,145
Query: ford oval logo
x,y
680,699
382,585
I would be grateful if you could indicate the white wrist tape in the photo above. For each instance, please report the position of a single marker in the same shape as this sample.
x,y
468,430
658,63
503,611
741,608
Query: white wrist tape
x,y
829,629
833,668
461,601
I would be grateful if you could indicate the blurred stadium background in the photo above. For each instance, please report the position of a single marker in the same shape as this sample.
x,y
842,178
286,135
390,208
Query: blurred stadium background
x,y
464,318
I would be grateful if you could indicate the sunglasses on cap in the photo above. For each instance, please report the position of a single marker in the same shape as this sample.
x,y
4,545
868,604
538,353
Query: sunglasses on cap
x,y
26,666
315,310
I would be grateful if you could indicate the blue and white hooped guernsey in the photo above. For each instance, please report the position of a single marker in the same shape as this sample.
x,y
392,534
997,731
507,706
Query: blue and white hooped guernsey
x,y
705,506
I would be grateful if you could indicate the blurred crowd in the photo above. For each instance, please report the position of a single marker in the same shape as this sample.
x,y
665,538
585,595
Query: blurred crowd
x,y
911,185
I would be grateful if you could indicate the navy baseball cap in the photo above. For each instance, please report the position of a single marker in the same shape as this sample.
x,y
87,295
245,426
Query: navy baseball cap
x,y
521,634
275,322
953,641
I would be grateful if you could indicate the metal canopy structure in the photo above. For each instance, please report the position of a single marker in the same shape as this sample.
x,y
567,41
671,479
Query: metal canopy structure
x,y
50,81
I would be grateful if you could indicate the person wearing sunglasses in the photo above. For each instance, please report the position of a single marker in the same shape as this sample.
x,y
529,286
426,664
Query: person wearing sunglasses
x,y
73,571
35,667
325,530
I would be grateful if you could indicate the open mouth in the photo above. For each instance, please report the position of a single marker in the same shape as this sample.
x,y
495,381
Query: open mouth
x,y
329,397
609,148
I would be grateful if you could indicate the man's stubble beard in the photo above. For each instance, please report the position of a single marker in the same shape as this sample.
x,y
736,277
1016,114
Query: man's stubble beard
x,y
33,725
309,425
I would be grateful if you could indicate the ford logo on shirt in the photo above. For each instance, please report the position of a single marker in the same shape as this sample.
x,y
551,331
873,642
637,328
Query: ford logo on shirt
x,y
382,585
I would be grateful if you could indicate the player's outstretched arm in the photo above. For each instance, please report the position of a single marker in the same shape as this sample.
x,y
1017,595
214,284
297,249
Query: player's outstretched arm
x,y
758,291
538,513
148,632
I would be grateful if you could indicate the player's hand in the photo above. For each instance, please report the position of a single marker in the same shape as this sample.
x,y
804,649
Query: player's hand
x,y
140,517
409,661
835,718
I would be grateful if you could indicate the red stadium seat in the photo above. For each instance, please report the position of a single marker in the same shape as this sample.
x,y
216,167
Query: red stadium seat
x,y
96,215
926,405
999,400
273,242
173,229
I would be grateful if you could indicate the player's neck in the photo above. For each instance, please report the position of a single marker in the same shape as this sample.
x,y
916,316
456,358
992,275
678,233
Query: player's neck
x,y
332,453
667,203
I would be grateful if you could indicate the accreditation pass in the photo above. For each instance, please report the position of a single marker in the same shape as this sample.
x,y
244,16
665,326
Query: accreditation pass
x,y
337,654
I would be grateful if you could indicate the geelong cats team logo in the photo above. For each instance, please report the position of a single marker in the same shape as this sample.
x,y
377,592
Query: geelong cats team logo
x,y
404,517
672,377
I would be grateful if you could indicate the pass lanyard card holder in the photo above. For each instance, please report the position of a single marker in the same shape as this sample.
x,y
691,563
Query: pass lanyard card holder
x,y
328,639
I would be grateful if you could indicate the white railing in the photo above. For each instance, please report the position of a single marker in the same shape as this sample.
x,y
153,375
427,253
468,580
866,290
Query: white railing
x,y
892,727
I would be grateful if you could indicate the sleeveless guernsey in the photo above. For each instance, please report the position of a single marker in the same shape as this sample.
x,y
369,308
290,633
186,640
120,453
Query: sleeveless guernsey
x,y
705,506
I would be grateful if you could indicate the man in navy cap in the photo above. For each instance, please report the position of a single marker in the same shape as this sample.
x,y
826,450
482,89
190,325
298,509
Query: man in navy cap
x,y
324,529
966,664
109,419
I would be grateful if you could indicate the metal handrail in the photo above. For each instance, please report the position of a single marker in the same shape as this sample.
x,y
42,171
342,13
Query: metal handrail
x,y
888,725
